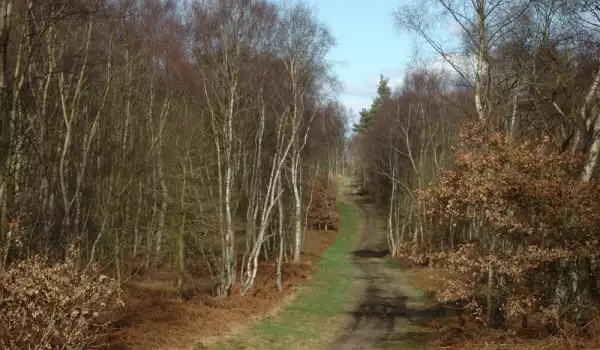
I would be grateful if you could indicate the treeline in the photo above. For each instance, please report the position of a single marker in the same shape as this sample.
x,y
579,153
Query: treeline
x,y
183,136
487,168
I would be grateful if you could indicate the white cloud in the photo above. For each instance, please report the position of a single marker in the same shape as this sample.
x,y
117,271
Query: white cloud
x,y
364,89
457,65
360,95
356,103
454,28
367,88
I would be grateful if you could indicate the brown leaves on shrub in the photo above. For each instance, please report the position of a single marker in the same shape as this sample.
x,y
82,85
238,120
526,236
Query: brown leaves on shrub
x,y
43,307
323,212
518,209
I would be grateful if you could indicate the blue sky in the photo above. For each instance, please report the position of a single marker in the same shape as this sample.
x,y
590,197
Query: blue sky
x,y
368,45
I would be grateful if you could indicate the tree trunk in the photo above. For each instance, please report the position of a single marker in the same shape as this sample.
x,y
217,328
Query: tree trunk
x,y
181,233
281,239
391,238
297,207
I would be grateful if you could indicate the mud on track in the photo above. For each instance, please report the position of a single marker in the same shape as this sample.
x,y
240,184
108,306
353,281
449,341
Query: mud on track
x,y
385,310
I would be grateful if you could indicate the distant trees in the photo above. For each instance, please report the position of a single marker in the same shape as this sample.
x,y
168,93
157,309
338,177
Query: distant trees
x,y
367,116
401,152
160,134
493,200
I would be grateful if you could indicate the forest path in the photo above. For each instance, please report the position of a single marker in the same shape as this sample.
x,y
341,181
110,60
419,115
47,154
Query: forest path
x,y
385,311
357,298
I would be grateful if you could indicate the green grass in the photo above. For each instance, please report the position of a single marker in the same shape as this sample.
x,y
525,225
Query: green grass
x,y
390,264
326,297
418,293
344,181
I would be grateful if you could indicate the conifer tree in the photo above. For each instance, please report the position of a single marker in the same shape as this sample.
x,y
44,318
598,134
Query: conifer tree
x,y
384,92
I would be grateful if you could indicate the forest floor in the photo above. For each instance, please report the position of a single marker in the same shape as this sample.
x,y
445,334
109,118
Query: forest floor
x,y
386,310
348,294
157,317
357,299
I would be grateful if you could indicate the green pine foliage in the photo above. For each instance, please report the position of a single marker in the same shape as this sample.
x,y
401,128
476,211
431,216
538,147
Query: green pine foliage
x,y
384,92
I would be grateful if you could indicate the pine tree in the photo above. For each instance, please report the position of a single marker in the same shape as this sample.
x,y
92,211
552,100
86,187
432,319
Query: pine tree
x,y
364,121
384,92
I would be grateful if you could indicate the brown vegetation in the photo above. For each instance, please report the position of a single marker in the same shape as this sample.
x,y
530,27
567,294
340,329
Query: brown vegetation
x,y
187,149
456,330
155,316
172,136
488,170
54,305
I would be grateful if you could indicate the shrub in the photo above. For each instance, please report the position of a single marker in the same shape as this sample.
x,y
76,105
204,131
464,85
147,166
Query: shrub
x,y
46,306
523,217
323,212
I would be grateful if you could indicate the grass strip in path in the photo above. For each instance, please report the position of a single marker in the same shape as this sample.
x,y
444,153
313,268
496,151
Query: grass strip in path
x,y
307,317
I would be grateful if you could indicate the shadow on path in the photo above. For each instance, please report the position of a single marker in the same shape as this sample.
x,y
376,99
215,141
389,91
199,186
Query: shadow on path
x,y
370,253
386,312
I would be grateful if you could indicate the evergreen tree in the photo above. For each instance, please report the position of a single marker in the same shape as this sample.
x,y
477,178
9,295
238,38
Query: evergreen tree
x,y
363,122
384,92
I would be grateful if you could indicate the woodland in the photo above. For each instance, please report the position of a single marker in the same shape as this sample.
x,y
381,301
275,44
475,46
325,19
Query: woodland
x,y
192,138
203,141
488,169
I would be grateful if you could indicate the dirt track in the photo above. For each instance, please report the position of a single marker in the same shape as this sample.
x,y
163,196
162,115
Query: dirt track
x,y
385,311
382,310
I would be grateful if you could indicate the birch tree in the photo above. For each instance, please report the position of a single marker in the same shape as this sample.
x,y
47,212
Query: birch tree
x,y
305,45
